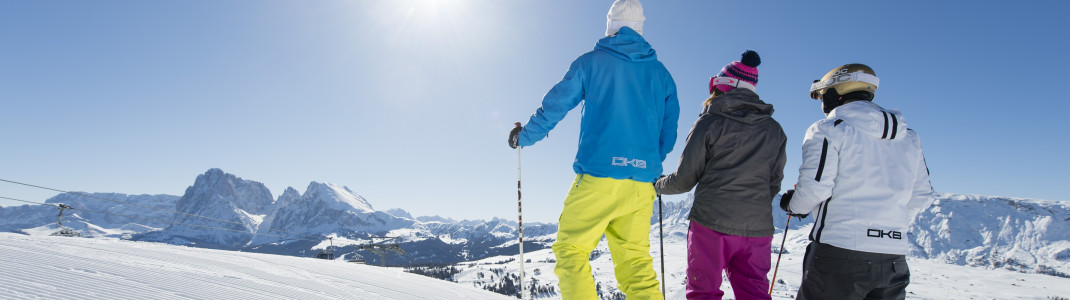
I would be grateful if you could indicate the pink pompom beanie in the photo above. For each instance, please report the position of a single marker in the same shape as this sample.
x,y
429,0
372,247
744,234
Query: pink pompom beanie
x,y
746,69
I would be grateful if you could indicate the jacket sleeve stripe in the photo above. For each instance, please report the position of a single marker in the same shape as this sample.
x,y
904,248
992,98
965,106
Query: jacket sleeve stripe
x,y
824,154
885,125
895,126
813,229
824,214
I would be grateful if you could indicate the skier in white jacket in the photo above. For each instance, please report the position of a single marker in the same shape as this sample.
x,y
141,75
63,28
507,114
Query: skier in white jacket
x,y
864,176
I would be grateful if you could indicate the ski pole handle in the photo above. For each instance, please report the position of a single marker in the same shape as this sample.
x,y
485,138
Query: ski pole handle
x,y
514,136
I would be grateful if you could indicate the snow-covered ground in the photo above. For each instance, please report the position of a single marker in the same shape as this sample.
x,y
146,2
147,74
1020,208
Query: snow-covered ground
x,y
46,267
930,279
963,247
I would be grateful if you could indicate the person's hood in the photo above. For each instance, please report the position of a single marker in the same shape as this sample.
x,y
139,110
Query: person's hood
x,y
742,105
627,45
871,119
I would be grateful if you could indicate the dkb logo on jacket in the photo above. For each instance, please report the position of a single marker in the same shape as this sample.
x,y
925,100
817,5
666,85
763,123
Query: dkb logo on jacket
x,y
624,162
877,233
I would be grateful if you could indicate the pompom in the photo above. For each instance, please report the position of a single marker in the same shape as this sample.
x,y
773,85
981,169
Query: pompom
x,y
751,59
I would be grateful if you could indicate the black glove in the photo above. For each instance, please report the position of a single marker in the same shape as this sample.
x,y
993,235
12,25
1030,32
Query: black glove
x,y
656,189
785,199
514,136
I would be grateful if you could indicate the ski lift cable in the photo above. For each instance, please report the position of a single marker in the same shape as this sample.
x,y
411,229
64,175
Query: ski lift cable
x,y
31,202
138,205
160,220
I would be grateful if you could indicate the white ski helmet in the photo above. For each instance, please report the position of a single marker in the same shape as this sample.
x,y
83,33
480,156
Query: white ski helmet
x,y
846,79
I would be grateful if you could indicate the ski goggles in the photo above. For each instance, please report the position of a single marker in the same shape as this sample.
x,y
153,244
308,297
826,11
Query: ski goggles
x,y
732,82
817,88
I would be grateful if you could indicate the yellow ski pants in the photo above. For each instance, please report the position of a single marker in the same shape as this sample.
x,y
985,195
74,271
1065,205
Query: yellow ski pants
x,y
620,209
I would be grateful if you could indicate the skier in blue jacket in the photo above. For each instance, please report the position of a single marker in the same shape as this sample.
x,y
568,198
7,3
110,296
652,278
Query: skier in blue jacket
x,y
628,127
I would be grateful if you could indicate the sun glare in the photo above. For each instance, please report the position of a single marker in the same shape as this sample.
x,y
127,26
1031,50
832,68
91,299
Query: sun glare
x,y
424,17
427,37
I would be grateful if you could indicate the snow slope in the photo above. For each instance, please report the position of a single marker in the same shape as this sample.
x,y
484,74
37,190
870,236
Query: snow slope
x,y
981,233
930,279
80,268
958,253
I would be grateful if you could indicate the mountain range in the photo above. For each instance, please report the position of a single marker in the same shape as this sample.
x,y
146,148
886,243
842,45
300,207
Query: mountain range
x,y
223,211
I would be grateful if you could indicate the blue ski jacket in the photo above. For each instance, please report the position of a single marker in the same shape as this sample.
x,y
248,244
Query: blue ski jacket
x,y
630,112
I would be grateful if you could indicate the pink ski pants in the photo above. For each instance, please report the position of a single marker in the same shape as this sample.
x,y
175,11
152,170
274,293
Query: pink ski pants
x,y
746,261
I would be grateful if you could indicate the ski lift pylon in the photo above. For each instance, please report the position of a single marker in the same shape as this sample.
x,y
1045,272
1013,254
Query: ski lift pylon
x,y
381,248
64,231
326,253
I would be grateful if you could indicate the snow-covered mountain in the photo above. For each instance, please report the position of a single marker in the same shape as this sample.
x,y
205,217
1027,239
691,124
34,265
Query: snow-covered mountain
x,y
223,211
325,209
94,216
300,223
220,210
1026,235
15,218
1031,236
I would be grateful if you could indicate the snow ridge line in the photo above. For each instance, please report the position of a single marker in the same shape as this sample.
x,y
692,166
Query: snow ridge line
x,y
148,207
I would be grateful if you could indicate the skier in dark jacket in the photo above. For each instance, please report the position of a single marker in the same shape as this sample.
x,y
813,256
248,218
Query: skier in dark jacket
x,y
864,175
735,154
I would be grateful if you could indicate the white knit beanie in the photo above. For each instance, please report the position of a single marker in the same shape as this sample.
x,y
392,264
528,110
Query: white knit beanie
x,y
625,13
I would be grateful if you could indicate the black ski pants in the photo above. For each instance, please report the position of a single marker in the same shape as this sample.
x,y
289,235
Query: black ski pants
x,y
831,272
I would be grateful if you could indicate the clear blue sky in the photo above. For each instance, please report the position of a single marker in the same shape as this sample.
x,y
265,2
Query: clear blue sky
x,y
409,102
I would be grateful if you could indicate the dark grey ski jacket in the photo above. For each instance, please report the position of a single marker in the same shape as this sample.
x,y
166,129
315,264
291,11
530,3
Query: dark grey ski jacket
x,y
735,154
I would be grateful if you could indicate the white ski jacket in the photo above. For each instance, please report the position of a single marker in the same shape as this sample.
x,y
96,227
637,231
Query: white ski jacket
x,y
864,177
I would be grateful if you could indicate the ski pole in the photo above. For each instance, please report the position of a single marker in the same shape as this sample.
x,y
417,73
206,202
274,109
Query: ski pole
x,y
782,240
661,243
520,222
